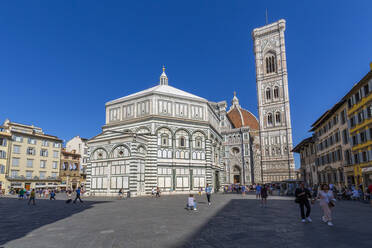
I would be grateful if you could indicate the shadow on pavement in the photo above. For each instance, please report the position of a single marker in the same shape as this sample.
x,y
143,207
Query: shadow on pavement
x,y
18,219
244,223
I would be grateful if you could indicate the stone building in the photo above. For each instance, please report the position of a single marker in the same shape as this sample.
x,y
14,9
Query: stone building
x,y
80,146
359,112
70,170
160,137
333,150
34,157
273,102
308,170
168,138
5,145
240,131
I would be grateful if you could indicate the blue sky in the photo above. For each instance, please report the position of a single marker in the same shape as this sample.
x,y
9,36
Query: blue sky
x,y
60,61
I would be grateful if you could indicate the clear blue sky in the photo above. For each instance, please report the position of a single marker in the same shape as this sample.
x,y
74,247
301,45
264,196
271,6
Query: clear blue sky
x,y
60,61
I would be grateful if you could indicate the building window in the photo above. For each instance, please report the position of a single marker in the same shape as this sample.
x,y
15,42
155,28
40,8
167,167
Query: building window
x,y
198,142
42,174
14,173
2,154
343,116
276,92
164,140
345,136
357,97
30,151
268,94
2,142
30,163
15,162
182,142
366,89
277,117
55,154
364,157
270,63
56,145
54,175
16,149
55,165
2,169
363,137
17,138
28,174
44,152
356,158
32,141
270,119
45,143
42,164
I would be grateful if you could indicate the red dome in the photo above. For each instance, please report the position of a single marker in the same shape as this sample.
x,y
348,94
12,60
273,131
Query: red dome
x,y
242,118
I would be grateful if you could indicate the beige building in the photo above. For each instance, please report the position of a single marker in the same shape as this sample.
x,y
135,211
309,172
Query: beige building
x,y
308,171
332,145
79,145
70,170
34,157
5,144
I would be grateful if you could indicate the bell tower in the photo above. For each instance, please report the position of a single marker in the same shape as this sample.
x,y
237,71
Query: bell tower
x,y
273,102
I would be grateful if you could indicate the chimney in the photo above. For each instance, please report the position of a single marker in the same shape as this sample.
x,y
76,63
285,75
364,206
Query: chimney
x,y
370,66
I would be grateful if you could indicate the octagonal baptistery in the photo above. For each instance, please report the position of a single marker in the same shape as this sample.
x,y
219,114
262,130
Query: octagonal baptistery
x,y
159,137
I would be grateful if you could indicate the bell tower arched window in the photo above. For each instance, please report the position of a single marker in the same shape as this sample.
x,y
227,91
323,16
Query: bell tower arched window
x,y
276,92
270,61
277,117
270,119
268,94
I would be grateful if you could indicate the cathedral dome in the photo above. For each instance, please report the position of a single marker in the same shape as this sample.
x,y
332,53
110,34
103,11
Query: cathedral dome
x,y
240,117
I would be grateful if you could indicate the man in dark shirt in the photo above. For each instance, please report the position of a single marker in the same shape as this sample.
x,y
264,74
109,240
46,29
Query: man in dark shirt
x,y
78,195
302,197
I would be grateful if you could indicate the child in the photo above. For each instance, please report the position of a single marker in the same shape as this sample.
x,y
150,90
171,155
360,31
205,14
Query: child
x,y
200,191
191,204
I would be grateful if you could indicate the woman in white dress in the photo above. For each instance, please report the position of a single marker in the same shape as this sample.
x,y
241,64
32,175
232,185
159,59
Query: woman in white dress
x,y
327,202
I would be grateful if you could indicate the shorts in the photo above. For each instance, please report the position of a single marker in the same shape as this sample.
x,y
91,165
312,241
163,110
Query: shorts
x,y
258,192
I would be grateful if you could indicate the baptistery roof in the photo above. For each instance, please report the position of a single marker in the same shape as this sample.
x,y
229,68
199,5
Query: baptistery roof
x,y
240,117
162,89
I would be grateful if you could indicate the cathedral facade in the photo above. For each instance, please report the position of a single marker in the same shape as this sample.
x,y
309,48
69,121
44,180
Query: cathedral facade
x,y
168,138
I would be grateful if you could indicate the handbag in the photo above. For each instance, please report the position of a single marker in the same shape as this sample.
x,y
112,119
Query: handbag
x,y
331,204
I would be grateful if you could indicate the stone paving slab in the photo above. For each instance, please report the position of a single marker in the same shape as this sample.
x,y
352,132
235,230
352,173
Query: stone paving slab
x,y
231,221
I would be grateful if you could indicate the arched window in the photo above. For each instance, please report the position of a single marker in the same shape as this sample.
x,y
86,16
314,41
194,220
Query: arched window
x,y
277,117
270,119
164,140
276,92
268,94
182,142
198,142
271,65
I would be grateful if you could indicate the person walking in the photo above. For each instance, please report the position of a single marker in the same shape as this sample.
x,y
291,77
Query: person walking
x,y
258,191
78,195
52,195
32,197
157,192
302,198
264,195
326,202
21,194
208,191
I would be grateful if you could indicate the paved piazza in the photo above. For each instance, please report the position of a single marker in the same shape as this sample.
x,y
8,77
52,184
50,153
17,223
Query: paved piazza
x,y
231,221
